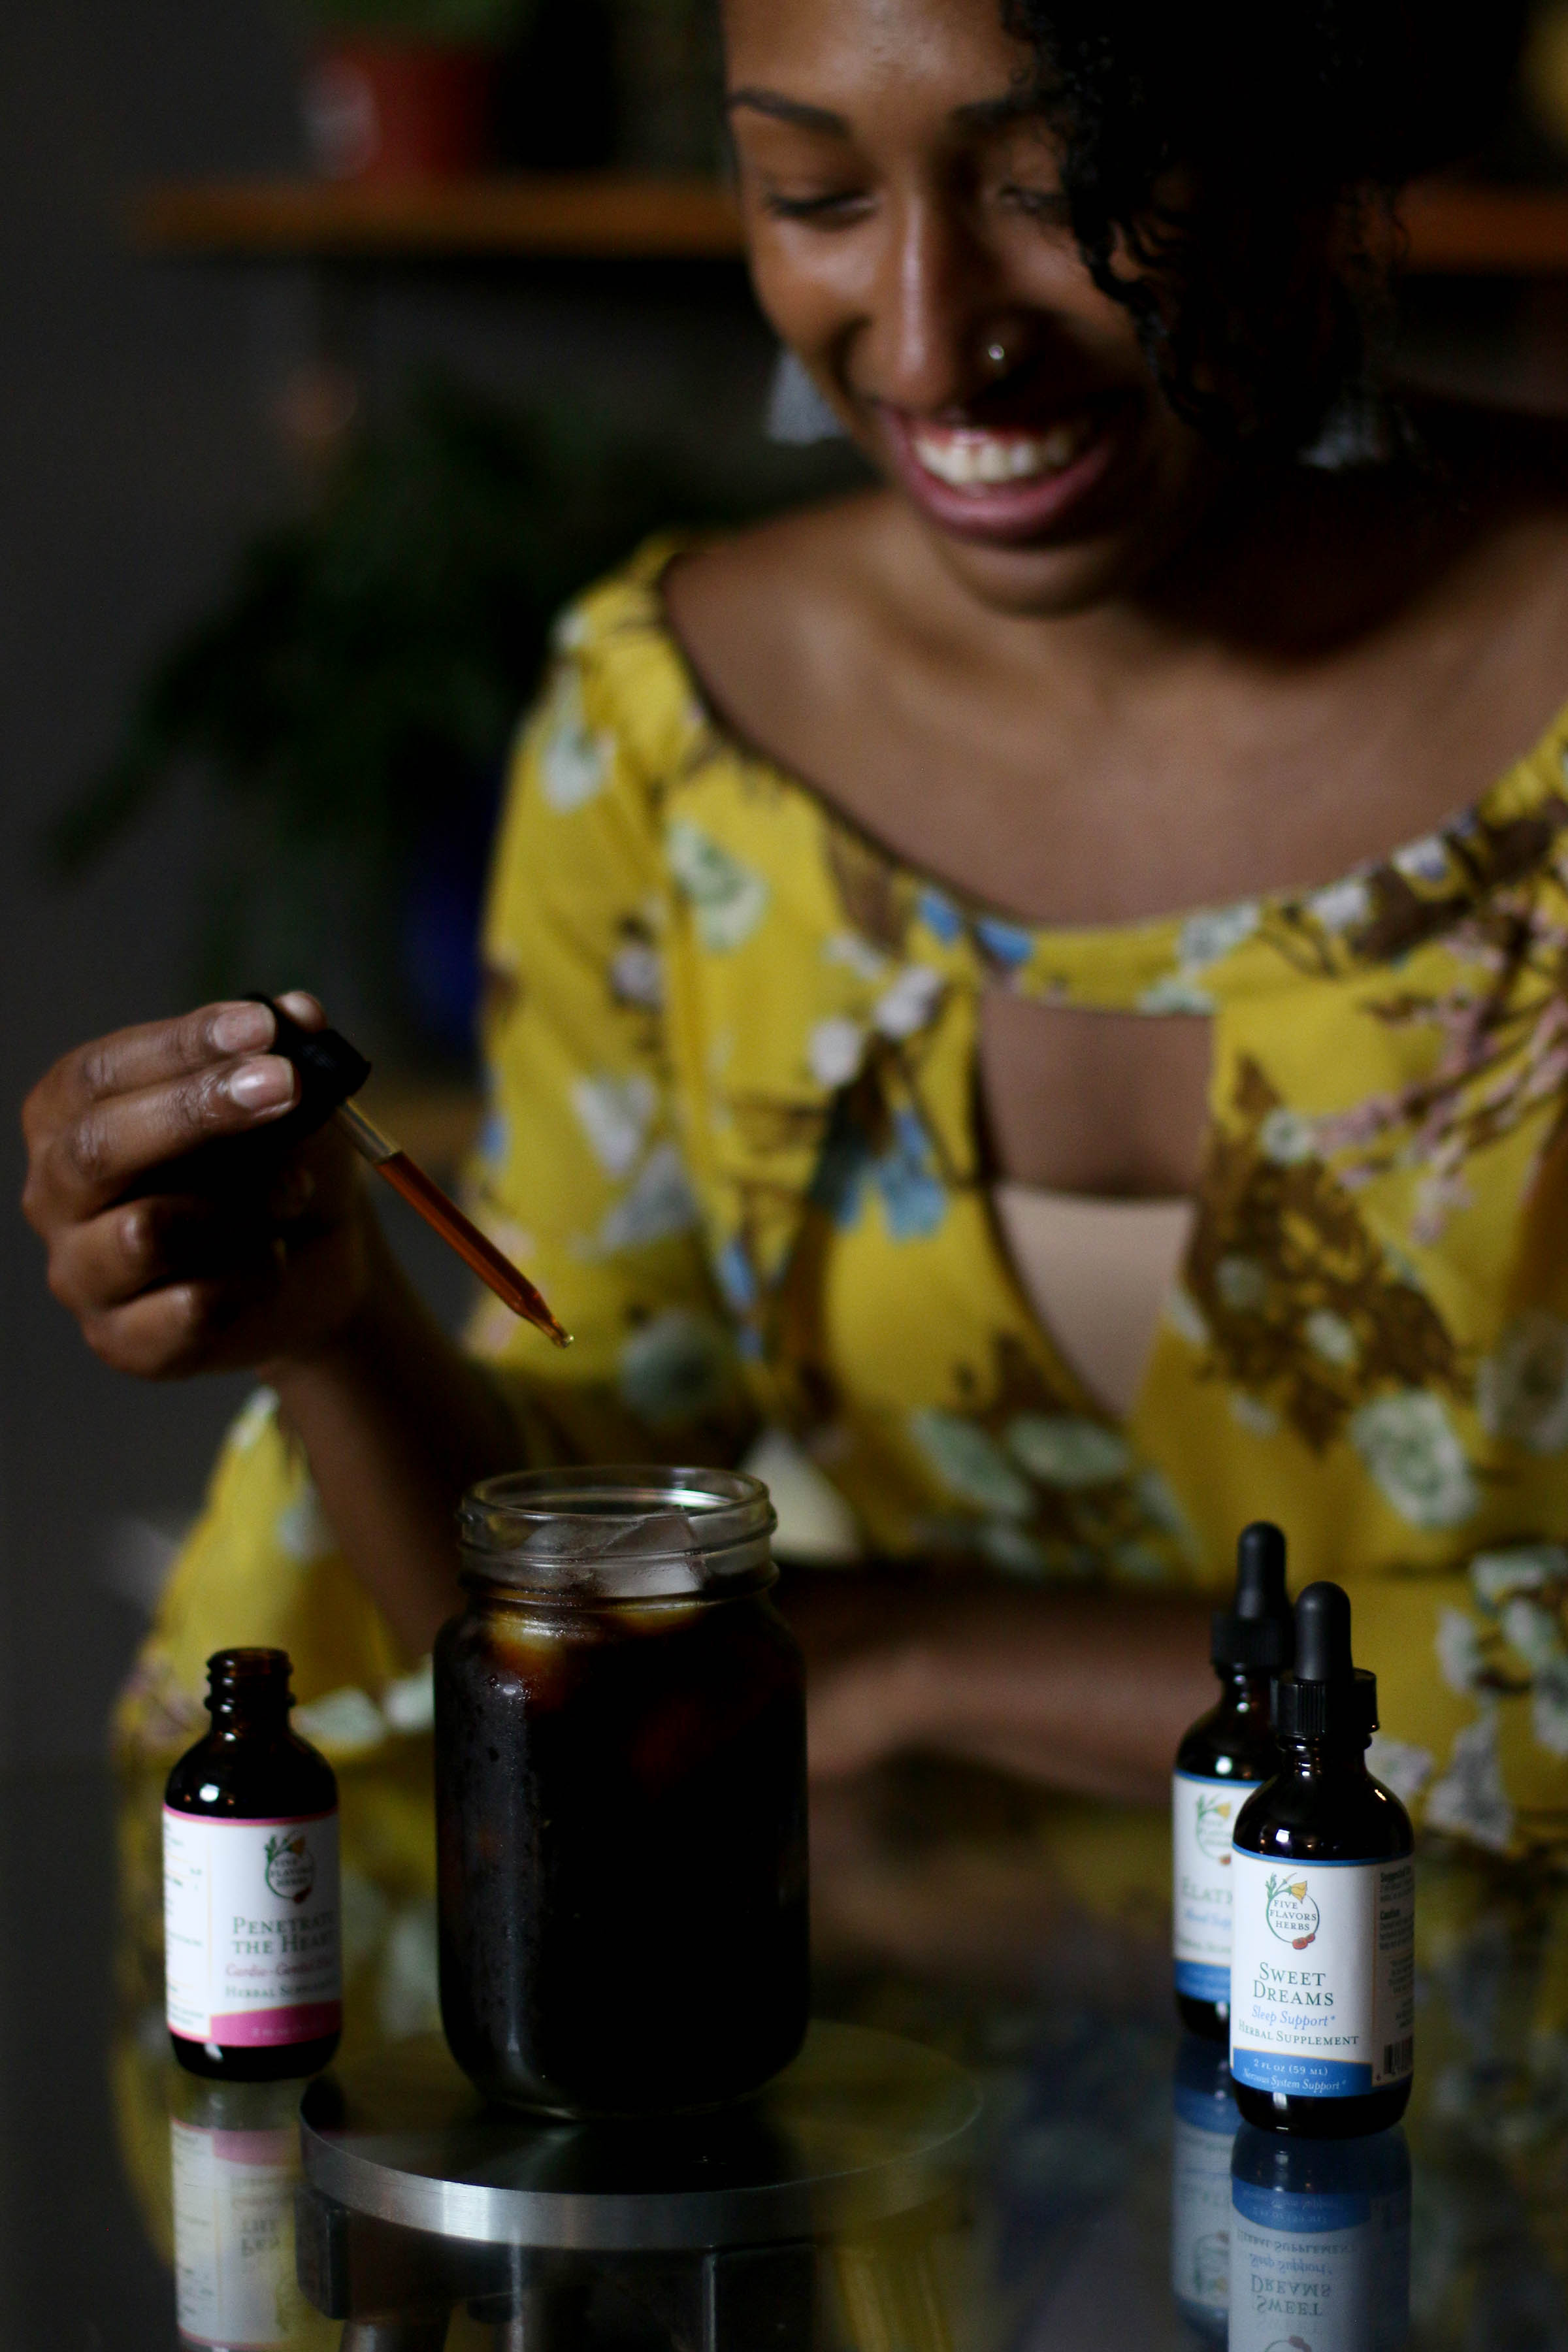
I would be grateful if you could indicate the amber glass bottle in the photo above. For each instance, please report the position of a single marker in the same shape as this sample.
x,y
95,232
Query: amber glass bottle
x,y
251,1914
1223,1757
1323,1970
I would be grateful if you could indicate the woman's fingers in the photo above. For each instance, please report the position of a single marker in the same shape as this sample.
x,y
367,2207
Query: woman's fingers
x,y
300,1006
196,1060
130,1247
182,1326
274,1294
132,1058
92,1157
191,1279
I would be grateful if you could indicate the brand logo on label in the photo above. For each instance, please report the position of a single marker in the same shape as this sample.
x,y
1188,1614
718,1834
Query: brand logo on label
x,y
290,1867
1212,1831
1291,1914
1289,2344
1211,2264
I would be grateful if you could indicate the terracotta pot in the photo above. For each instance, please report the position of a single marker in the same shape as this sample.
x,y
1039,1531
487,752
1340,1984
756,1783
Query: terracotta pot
x,y
398,110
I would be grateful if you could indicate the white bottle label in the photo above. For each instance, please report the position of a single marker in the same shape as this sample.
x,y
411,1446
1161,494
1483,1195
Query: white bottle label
x,y
233,2236
251,1928
1322,1975
1203,1820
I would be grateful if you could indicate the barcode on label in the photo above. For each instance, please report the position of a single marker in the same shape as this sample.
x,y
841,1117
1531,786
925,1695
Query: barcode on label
x,y
1396,2055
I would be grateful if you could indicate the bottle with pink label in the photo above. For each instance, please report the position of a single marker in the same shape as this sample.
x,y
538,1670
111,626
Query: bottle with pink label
x,y
251,1914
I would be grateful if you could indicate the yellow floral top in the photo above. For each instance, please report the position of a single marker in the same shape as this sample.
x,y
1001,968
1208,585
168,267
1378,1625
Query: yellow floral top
x,y
733,1135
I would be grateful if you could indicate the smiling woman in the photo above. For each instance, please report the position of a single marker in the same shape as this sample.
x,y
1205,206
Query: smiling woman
x,y
989,997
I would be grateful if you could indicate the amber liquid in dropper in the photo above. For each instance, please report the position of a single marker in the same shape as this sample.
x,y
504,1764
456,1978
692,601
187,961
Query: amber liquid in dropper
x,y
407,1178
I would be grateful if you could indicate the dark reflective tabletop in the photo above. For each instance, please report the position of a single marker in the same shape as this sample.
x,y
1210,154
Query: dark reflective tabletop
x,y
997,2137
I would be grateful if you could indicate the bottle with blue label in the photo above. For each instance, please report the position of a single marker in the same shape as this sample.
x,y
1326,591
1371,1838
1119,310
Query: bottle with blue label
x,y
1323,1960
1225,1755
1320,2244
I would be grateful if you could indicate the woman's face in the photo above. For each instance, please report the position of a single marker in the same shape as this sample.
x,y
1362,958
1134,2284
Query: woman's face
x,y
908,240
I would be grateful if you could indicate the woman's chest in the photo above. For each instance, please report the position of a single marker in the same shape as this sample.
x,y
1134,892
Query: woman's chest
x,y
1365,1068
1092,805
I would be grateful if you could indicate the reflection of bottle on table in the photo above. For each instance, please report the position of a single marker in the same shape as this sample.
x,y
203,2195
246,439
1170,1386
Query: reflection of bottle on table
x,y
1319,2242
1204,2127
234,2155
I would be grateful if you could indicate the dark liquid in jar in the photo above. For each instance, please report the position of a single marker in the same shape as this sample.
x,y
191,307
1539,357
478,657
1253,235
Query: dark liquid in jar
x,y
621,1817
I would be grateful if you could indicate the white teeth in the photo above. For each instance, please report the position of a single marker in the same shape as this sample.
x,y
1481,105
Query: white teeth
x,y
968,459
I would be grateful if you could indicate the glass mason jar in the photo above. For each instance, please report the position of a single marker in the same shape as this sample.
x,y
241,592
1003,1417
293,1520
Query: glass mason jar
x,y
620,1787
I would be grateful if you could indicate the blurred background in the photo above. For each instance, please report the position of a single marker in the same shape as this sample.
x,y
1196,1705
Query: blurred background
x,y
343,343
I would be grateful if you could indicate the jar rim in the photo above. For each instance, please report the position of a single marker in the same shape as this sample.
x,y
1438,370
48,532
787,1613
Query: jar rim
x,y
618,1532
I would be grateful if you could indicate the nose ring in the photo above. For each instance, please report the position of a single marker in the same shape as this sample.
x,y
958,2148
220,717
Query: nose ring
x,y
997,356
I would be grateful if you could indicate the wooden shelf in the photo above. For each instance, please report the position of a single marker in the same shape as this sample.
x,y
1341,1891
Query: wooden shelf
x,y
583,214
1474,232
1464,231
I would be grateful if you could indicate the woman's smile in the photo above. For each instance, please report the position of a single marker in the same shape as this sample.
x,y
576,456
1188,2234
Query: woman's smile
x,y
1005,483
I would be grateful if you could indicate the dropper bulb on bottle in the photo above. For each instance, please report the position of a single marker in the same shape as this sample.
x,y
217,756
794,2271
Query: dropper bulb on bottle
x,y
1260,1571
1323,1635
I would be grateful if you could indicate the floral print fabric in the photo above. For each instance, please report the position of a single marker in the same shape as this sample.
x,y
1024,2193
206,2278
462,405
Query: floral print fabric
x,y
733,1135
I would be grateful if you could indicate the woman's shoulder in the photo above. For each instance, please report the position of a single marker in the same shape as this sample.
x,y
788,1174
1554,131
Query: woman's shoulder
x,y
624,711
616,699
784,564
834,548
632,657
767,618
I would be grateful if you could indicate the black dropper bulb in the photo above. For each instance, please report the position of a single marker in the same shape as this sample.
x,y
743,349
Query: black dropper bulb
x,y
329,1069
1260,1571
1256,1630
1328,1695
1323,1635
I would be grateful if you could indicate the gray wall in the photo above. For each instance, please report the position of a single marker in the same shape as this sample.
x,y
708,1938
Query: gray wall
x,y
133,454
138,445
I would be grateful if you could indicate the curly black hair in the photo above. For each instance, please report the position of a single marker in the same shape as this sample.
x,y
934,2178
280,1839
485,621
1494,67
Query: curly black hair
x,y
1230,166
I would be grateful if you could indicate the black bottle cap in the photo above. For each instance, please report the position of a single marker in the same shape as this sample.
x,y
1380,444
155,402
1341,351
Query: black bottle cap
x,y
329,1068
1327,1697
1256,1629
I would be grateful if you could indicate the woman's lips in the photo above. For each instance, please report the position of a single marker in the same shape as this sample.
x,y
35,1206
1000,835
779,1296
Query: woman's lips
x,y
1004,484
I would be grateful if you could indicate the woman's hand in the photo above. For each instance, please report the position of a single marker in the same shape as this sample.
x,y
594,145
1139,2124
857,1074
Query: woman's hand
x,y
1079,1688
172,1269
176,1258
864,1711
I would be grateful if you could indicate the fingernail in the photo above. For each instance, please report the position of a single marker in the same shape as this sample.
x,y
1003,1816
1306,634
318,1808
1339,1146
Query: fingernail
x,y
242,1027
257,1085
